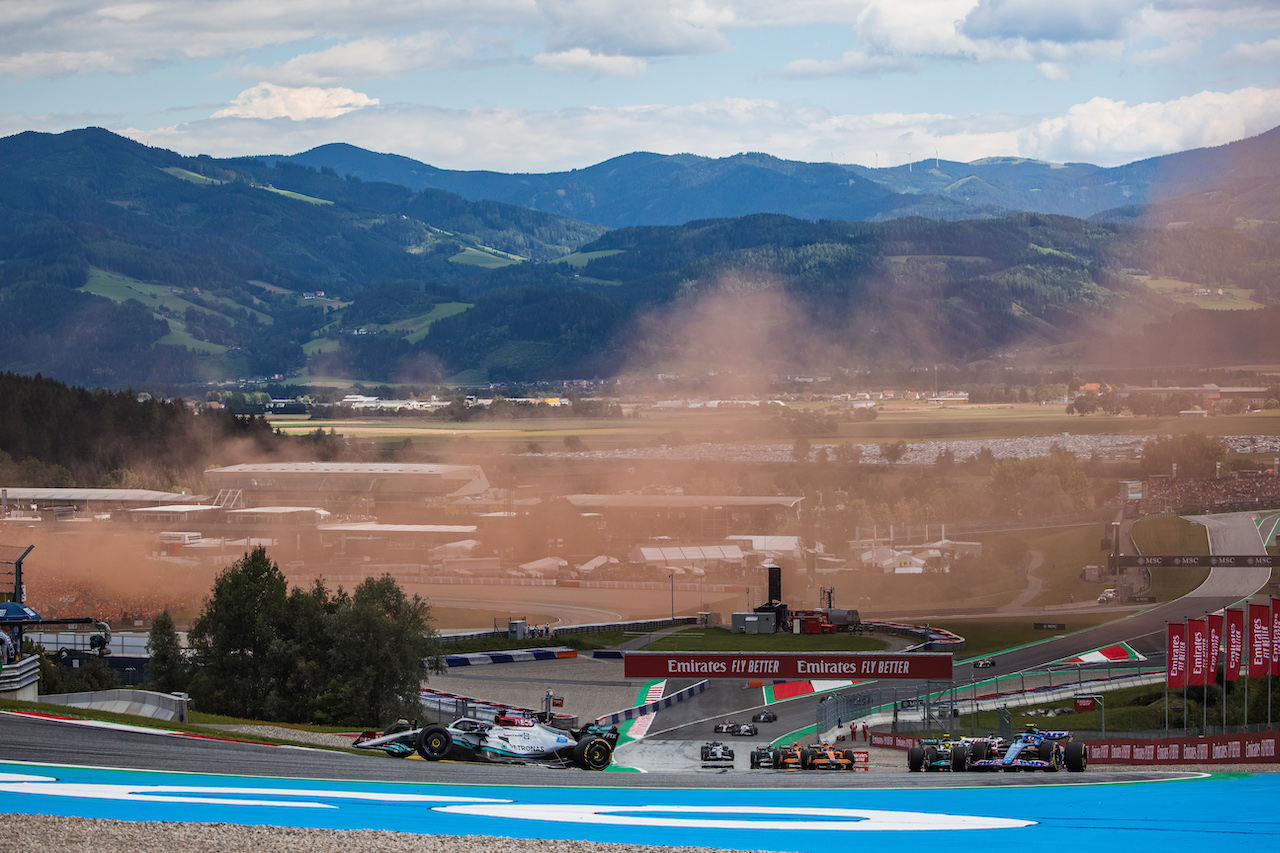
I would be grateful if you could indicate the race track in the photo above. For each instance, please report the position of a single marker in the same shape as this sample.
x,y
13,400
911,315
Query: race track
x,y
73,770
1211,810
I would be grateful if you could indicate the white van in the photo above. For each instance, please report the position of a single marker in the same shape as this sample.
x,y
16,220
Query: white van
x,y
1107,595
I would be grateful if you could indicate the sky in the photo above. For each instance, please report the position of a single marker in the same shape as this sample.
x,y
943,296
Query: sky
x,y
551,85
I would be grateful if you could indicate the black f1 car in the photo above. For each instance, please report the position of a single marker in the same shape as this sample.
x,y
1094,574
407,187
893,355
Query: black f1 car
x,y
506,740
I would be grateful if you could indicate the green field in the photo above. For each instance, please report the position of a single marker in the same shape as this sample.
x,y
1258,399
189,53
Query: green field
x,y
298,196
191,177
1215,299
580,259
489,258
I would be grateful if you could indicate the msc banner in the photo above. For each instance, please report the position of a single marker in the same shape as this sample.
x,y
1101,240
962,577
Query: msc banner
x,y
793,666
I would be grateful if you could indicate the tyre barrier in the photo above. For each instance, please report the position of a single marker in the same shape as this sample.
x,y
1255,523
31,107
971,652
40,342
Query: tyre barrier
x,y
513,656
653,707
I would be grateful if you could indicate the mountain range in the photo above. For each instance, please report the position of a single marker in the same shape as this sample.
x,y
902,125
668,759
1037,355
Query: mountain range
x,y
654,189
125,265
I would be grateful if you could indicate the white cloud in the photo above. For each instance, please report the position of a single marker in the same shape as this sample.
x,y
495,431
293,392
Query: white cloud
x,y
853,63
630,28
368,58
1256,53
1053,71
579,60
268,101
1061,21
1102,131
1110,130
1172,53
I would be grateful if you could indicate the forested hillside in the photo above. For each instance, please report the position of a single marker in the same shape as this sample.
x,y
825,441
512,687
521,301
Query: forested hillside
x,y
54,435
128,266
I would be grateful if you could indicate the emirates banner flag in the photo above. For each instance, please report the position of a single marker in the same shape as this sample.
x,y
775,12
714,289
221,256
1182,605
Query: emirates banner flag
x,y
1215,643
1197,652
1259,640
1235,643
1176,668
1275,632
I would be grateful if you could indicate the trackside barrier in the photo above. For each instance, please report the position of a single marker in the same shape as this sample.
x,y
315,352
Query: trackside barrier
x,y
1251,748
927,639
841,709
20,680
653,707
593,628
450,706
513,656
138,703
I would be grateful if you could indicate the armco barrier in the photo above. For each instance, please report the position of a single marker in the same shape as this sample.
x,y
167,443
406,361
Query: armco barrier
x,y
20,680
512,656
139,703
653,707
594,628
450,706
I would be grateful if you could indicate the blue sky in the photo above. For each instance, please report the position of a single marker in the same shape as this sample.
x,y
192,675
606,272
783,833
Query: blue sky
x,y
546,85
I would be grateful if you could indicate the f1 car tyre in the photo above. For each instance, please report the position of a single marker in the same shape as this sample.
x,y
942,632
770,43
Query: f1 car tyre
x,y
806,759
978,751
1076,757
848,754
1050,753
593,753
755,759
915,759
930,758
434,743
959,758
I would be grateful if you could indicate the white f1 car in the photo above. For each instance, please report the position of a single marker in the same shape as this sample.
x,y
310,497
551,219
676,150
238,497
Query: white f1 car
x,y
506,740
717,751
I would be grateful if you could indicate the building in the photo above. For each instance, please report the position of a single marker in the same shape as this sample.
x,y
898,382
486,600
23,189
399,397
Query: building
x,y
384,490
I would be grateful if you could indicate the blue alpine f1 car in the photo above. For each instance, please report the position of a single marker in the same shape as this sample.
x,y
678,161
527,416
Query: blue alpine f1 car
x,y
1031,750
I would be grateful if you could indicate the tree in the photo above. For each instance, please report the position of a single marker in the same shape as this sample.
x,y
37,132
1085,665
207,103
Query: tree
x,y
232,636
380,645
167,670
310,655
893,452
1195,454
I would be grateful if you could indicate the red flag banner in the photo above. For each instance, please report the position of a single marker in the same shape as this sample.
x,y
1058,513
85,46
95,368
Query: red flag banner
x,y
1275,632
1197,652
1215,643
1235,643
1259,640
1176,668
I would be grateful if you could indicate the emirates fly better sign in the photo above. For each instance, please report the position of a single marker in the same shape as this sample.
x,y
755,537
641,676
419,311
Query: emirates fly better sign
x,y
798,666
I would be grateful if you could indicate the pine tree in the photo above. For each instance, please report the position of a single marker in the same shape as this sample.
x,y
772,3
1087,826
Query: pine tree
x,y
167,671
